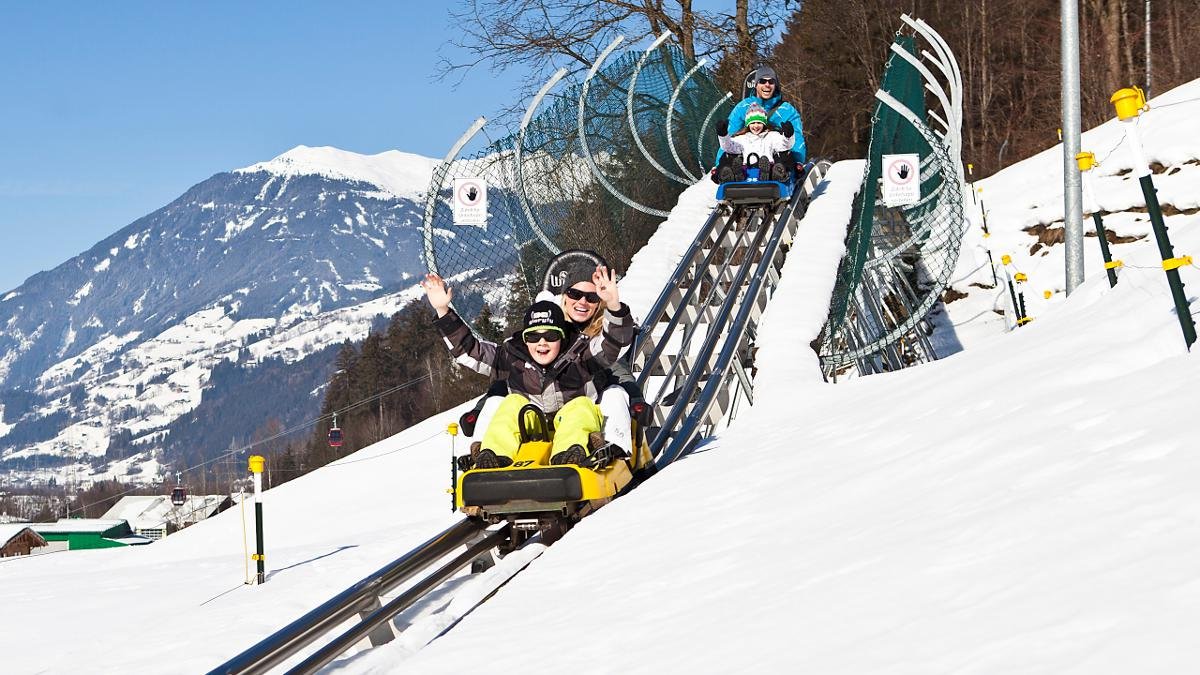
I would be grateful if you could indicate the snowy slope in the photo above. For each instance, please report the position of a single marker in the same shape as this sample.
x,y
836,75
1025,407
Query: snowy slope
x,y
1028,505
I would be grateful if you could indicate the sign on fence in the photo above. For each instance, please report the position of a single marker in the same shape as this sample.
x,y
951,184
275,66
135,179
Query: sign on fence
x,y
901,179
470,201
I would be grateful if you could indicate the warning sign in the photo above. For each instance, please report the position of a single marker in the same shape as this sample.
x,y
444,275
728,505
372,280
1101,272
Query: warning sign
x,y
470,201
901,179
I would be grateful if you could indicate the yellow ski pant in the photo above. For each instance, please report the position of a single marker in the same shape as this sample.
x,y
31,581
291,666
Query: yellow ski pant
x,y
572,424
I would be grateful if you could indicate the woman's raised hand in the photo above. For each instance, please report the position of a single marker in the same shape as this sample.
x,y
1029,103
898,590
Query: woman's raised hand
x,y
605,280
438,293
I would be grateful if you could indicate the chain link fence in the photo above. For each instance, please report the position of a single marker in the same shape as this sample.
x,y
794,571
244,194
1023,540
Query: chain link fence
x,y
597,164
898,259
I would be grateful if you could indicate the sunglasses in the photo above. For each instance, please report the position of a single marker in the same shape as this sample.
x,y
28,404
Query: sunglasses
x,y
533,336
576,294
766,80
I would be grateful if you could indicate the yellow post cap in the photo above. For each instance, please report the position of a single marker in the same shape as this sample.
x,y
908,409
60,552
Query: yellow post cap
x,y
256,463
1086,160
1006,259
1047,294
1020,277
1129,102
452,428
970,168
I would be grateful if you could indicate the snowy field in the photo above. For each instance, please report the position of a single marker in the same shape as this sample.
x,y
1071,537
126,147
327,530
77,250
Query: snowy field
x,y
1027,505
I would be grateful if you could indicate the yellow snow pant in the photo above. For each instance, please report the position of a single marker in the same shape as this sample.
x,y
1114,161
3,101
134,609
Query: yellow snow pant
x,y
572,425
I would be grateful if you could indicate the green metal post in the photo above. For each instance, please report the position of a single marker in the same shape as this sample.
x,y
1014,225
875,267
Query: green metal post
x,y
1103,236
1167,252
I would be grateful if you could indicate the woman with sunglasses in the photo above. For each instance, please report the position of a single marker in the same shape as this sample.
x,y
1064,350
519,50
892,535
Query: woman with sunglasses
x,y
568,276
543,363
764,89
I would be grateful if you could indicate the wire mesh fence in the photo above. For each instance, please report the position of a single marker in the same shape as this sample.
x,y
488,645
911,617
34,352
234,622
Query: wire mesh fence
x,y
597,165
898,258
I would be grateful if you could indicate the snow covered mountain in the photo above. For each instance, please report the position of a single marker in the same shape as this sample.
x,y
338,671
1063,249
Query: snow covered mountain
x,y
278,259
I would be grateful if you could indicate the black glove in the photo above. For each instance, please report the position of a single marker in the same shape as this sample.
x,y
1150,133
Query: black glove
x,y
787,129
723,128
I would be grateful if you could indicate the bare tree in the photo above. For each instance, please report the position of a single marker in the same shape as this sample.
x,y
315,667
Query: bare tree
x,y
543,35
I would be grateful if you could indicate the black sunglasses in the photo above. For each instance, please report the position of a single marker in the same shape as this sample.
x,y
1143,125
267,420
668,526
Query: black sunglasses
x,y
576,294
766,80
533,336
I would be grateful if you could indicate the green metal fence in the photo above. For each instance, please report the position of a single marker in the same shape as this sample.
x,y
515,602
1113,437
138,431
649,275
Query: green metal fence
x,y
899,258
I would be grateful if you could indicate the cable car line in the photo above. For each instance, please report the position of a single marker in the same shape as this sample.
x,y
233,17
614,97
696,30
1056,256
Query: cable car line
x,y
285,432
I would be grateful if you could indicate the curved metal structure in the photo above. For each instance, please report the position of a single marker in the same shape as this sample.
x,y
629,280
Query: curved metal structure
x,y
439,175
519,168
899,259
629,107
587,154
671,112
704,131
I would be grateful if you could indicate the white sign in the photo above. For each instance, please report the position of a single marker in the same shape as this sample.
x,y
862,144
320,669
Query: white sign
x,y
901,179
470,201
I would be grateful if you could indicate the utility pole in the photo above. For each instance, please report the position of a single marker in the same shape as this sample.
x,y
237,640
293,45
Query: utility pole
x,y
1148,49
1072,182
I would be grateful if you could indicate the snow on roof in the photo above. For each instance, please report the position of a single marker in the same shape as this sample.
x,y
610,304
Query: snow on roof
x,y
401,174
10,531
77,525
150,511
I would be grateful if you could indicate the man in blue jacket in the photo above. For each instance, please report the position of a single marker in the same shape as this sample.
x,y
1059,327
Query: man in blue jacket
x,y
768,93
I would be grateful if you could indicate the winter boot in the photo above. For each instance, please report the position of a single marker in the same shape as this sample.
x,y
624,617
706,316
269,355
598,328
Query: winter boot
x,y
779,172
606,455
727,171
573,455
764,167
490,460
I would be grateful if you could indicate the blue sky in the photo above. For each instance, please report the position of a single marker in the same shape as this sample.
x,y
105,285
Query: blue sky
x,y
111,110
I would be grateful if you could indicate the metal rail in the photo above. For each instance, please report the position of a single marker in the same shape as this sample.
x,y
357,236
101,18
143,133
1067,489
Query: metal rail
x,y
362,598
745,295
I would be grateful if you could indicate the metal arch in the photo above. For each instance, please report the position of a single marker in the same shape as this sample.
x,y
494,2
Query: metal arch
x,y
519,169
587,154
671,113
954,78
435,186
704,129
932,85
637,138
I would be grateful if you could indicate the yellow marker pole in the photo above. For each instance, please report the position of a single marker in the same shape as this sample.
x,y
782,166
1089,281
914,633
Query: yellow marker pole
x,y
1130,103
452,429
256,468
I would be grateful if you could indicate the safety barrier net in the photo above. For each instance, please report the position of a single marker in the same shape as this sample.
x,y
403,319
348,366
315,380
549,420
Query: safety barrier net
x,y
598,166
898,259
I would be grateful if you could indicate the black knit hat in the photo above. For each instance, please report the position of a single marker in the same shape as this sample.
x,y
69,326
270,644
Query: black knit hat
x,y
545,314
569,268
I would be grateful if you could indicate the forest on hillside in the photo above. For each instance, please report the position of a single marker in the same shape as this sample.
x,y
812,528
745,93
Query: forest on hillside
x,y
832,54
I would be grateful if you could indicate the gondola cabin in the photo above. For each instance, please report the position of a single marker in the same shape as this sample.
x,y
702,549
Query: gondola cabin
x,y
335,437
179,495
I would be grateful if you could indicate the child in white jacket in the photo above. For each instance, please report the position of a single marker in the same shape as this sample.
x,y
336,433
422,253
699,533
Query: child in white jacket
x,y
757,139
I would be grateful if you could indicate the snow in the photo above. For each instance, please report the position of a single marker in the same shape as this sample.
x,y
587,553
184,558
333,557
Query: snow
x,y
397,174
1027,505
